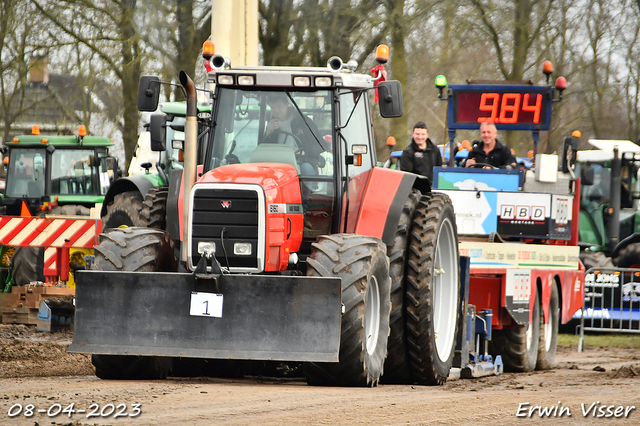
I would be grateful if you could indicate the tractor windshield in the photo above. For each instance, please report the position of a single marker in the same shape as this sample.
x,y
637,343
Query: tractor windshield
x,y
264,126
73,174
26,174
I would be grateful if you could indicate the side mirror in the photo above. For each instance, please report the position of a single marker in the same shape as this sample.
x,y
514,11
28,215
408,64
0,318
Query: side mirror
x,y
587,175
157,132
390,95
148,93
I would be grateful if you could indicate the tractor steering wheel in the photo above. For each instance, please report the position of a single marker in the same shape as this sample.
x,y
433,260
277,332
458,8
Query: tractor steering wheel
x,y
273,137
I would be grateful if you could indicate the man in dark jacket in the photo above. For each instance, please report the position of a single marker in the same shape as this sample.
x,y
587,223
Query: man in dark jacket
x,y
421,155
490,151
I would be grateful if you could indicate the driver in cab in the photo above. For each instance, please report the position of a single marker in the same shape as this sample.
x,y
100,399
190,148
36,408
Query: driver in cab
x,y
490,152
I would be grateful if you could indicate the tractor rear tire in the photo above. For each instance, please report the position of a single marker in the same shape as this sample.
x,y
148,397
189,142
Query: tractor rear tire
x,y
628,257
396,367
154,208
135,250
28,265
518,346
432,290
363,265
124,211
549,332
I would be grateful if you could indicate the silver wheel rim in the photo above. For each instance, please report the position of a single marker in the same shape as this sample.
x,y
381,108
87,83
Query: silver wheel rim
x,y
372,315
445,289
548,329
529,335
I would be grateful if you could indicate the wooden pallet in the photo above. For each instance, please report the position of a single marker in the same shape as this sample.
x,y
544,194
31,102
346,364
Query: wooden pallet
x,y
22,304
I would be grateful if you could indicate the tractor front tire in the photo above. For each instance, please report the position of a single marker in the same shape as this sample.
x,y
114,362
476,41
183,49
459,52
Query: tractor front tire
x,y
518,346
362,264
135,250
628,257
396,368
432,290
154,208
124,211
549,332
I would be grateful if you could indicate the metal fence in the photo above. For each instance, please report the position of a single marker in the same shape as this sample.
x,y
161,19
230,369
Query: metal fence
x,y
611,302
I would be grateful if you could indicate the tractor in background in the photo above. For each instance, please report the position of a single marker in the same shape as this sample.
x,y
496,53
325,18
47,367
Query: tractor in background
x,y
609,214
53,175
140,198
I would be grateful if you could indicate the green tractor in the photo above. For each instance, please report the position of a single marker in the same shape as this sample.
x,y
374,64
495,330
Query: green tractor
x,y
140,198
53,174
609,205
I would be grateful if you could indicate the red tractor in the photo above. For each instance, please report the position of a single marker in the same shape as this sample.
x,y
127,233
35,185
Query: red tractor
x,y
292,245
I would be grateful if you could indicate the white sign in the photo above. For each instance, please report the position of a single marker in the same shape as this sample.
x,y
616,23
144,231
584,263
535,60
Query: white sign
x,y
206,305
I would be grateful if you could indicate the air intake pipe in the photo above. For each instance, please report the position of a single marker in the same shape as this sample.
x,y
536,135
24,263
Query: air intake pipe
x,y
190,158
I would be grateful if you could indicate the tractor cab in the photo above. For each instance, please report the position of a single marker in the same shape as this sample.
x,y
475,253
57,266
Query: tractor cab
x,y
45,170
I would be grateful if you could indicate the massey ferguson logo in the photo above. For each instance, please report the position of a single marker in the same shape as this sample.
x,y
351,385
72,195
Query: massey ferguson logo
x,y
225,204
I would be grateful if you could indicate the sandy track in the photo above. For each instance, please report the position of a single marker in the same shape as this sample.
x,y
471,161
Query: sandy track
x,y
35,369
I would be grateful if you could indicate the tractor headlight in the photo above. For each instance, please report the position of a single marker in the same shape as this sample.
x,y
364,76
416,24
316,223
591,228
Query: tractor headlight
x,y
207,249
242,249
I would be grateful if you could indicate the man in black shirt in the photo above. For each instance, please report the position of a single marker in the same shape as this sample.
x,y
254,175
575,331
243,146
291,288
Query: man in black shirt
x,y
490,150
421,155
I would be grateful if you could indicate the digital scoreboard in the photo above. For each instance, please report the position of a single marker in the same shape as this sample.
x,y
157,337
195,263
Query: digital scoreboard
x,y
510,107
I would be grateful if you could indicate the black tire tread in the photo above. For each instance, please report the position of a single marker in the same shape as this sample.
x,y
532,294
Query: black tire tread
x,y
154,208
396,368
511,344
124,210
351,257
628,256
421,348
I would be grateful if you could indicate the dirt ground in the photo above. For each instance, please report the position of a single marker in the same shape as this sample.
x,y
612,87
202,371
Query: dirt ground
x,y
36,371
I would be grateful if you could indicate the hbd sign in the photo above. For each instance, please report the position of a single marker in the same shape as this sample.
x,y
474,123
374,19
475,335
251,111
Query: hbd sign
x,y
522,213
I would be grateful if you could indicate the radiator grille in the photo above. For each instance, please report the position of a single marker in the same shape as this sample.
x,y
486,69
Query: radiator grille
x,y
234,211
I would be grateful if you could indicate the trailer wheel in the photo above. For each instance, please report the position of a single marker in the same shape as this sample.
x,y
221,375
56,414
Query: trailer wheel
x,y
549,332
432,290
154,208
363,265
628,257
396,366
139,250
518,346
123,211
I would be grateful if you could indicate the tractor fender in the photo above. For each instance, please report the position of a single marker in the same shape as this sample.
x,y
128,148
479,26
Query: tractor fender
x,y
173,202
383,199
633,238
140,183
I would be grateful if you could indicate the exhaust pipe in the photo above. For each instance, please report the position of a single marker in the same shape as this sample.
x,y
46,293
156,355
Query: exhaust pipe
x,y
190,158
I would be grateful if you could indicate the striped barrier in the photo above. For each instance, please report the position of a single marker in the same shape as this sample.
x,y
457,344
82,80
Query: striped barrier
x,y
57,234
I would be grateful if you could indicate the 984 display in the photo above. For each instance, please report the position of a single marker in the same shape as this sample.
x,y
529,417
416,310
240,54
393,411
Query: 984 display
x,y
511,107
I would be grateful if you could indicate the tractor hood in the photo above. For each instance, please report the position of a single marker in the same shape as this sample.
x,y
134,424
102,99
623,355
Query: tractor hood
x,y
250,214
267,175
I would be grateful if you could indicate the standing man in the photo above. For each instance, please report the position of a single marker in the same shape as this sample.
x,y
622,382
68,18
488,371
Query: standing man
x,y
490,151
421,155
